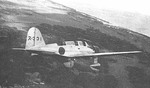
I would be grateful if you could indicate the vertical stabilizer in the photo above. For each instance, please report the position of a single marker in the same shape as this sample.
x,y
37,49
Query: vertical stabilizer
x,y
34,38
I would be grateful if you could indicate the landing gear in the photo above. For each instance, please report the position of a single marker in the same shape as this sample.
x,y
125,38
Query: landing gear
x,y
69,64
96,65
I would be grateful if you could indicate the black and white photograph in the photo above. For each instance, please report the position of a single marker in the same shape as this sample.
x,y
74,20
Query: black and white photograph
x,y
74,44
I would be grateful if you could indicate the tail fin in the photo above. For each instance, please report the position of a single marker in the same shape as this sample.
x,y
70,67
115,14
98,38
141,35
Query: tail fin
x,y
34,38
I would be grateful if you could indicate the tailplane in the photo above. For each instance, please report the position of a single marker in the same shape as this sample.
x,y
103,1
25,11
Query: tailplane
x,y
34,38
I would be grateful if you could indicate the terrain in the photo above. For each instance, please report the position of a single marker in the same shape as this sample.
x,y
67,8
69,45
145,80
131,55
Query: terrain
x,y
58,23
134,21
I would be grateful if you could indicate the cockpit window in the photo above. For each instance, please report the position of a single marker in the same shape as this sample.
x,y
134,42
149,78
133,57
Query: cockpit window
x,y
70,42
80,43
61,43
76,43
84,43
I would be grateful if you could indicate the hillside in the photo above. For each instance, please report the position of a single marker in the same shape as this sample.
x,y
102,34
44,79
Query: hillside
x,y
58,23
134,21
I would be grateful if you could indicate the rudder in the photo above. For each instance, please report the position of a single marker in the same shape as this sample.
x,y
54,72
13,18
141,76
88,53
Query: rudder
x,y
34,38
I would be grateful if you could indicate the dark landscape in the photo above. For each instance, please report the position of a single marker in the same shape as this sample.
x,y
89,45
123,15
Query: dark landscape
x,y
20,70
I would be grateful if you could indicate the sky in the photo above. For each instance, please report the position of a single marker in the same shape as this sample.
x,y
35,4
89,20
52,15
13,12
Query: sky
x,y
88,6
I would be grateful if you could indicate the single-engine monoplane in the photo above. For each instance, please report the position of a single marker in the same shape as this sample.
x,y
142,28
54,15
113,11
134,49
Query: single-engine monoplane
x,y
72,50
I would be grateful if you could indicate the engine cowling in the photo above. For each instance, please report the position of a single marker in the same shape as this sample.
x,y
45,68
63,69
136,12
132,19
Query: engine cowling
x,y
69,64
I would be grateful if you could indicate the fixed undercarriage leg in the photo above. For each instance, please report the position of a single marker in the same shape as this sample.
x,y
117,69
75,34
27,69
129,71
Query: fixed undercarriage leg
x,y
69,63
96,65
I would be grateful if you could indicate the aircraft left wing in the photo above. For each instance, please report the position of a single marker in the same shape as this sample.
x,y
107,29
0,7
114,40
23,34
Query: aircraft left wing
x,y
106,54
38,51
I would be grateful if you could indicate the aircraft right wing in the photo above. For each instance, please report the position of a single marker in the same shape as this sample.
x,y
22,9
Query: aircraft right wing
x,y
106,54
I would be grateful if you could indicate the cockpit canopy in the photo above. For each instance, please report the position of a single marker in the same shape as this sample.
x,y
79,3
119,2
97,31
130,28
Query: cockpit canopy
x,y
80,43
74,43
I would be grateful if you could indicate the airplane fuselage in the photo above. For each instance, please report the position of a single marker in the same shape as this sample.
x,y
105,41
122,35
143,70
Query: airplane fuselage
x,y
66,50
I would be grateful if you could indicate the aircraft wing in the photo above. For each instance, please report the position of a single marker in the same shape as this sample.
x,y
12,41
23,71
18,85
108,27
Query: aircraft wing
x,y
107,54
38,51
